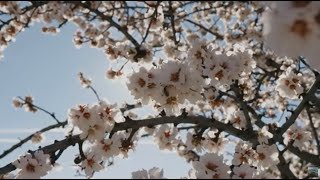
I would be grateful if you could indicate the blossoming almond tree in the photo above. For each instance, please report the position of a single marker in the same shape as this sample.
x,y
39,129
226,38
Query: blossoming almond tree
x,y
241,73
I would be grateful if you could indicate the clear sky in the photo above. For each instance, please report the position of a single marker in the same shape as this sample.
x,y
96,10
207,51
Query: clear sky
x,y
46,67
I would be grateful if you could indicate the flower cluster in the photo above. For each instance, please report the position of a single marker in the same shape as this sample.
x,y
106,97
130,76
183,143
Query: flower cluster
x,y
185,80
99,152
262,157
223,69
288,85
33,166
27,103
244,154
170,90
93,121
299,137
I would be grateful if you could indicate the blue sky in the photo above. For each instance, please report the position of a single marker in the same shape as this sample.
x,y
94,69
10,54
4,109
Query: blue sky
x,y
46,67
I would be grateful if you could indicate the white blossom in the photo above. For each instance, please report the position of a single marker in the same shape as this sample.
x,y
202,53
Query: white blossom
x,y
37,138
92,163
244,154
243,171
299,137
166,137
267,156
237,119
93,120
33,166
288,85
107,147
211,166
195,142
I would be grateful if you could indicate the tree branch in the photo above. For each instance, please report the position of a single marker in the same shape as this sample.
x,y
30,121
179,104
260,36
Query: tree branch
x,y
283,167
200,121
111,21
298,110
217,35
41,109
172,23
19,144
243,106
310,158
64,144
154,15
315,134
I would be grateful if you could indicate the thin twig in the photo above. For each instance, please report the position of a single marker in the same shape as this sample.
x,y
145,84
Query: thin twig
x,y
217,35
283,167
111,21
95,92
41,109
172,23
154,15
23,141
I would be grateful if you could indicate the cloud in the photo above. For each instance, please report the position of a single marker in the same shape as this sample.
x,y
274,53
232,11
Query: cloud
x,y
7,140
15,140
27,131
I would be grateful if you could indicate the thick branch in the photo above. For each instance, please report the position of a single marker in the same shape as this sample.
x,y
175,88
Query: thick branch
x,y
300,107
284,169
50,149
310,158
243,106
314,130
200,121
